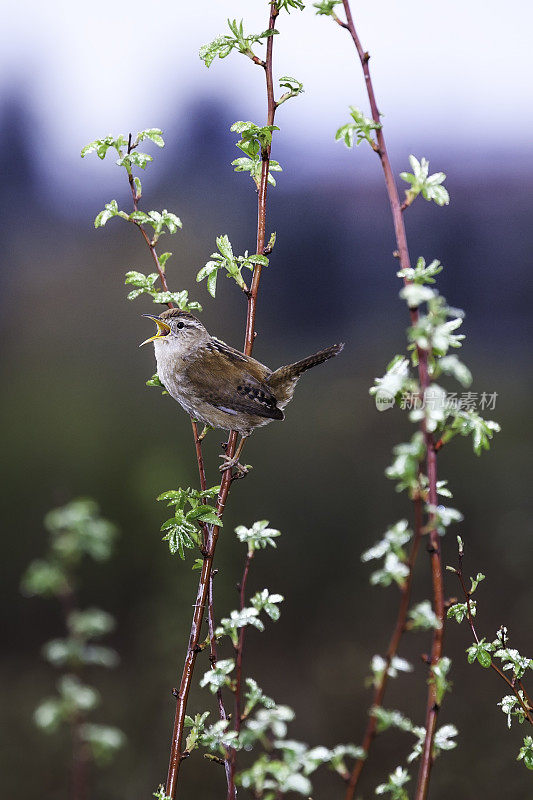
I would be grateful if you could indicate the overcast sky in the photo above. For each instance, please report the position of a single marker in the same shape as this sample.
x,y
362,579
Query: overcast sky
x,y
456,72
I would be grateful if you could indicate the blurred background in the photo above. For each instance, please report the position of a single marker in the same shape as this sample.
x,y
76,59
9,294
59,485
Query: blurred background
x,y
78,420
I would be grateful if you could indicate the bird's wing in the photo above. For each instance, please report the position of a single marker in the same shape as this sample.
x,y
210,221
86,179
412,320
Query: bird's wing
x,y
233,382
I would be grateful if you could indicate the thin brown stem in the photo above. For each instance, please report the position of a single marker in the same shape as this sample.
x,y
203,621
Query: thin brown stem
x,y
424,380
239,649
176,754
213,661
79,774
515,686
399,629
151,245
262,192
201,472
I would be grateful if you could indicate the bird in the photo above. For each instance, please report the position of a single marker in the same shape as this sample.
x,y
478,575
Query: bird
x,y
217,384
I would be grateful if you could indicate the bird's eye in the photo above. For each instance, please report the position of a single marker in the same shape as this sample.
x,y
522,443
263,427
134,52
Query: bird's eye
x,y
180,325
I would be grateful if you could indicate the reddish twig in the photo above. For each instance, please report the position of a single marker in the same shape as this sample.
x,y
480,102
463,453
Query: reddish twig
x,y
239,649
399,629
213,660
79,775
176,754
424,379
262,192
151,245
514,686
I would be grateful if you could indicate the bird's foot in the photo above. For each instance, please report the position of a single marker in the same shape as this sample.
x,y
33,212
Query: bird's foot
x,y
240,469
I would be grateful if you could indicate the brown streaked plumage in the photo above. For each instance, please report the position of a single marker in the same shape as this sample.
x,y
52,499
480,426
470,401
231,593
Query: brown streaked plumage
x,y
218,385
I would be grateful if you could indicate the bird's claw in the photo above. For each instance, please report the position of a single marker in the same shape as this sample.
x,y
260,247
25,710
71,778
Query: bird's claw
x,y
229,463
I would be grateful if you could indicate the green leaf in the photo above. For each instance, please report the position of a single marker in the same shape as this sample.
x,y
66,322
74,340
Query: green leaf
x,y
361,129
415,294
378,665
421,182
391,549
258,536
101,146
423,618
205,514
77,529
526,752
510,705
222,46
163,258
395,380
326,8
264,601
110,210
459,611
229,626
254,696
451,365
217,677
421,274
395,784
474,582
286,5
439,678
154,134
90,623
103,741
44,578
470,423
156,383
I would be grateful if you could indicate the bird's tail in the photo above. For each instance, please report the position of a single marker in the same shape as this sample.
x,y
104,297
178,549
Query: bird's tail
x,y
293,371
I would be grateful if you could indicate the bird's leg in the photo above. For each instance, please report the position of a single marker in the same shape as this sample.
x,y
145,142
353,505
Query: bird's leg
x,y
229,463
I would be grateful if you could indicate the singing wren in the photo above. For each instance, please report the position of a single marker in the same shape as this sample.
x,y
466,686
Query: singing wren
x,y
218,385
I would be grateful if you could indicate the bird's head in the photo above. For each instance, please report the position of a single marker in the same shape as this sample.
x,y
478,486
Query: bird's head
x,y
177,332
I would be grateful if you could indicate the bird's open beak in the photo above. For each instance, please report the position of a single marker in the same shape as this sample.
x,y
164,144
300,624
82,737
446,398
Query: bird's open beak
x,y
162,329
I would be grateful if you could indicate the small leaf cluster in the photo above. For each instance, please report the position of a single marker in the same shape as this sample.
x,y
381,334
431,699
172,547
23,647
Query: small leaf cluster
x,y
282,765
395,785
286,5
132,157
360,130
293,87
406,465
438,677
430,186
326,8
395,381
237,40
392,550
435,334
75,530
190,511
514,706
258,536
233,265
423,618
157,222
255,143
145,284
379,666
261,601
386,719
458,611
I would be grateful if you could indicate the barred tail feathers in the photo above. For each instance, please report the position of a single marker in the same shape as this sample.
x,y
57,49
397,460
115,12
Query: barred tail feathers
x,y
284,379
